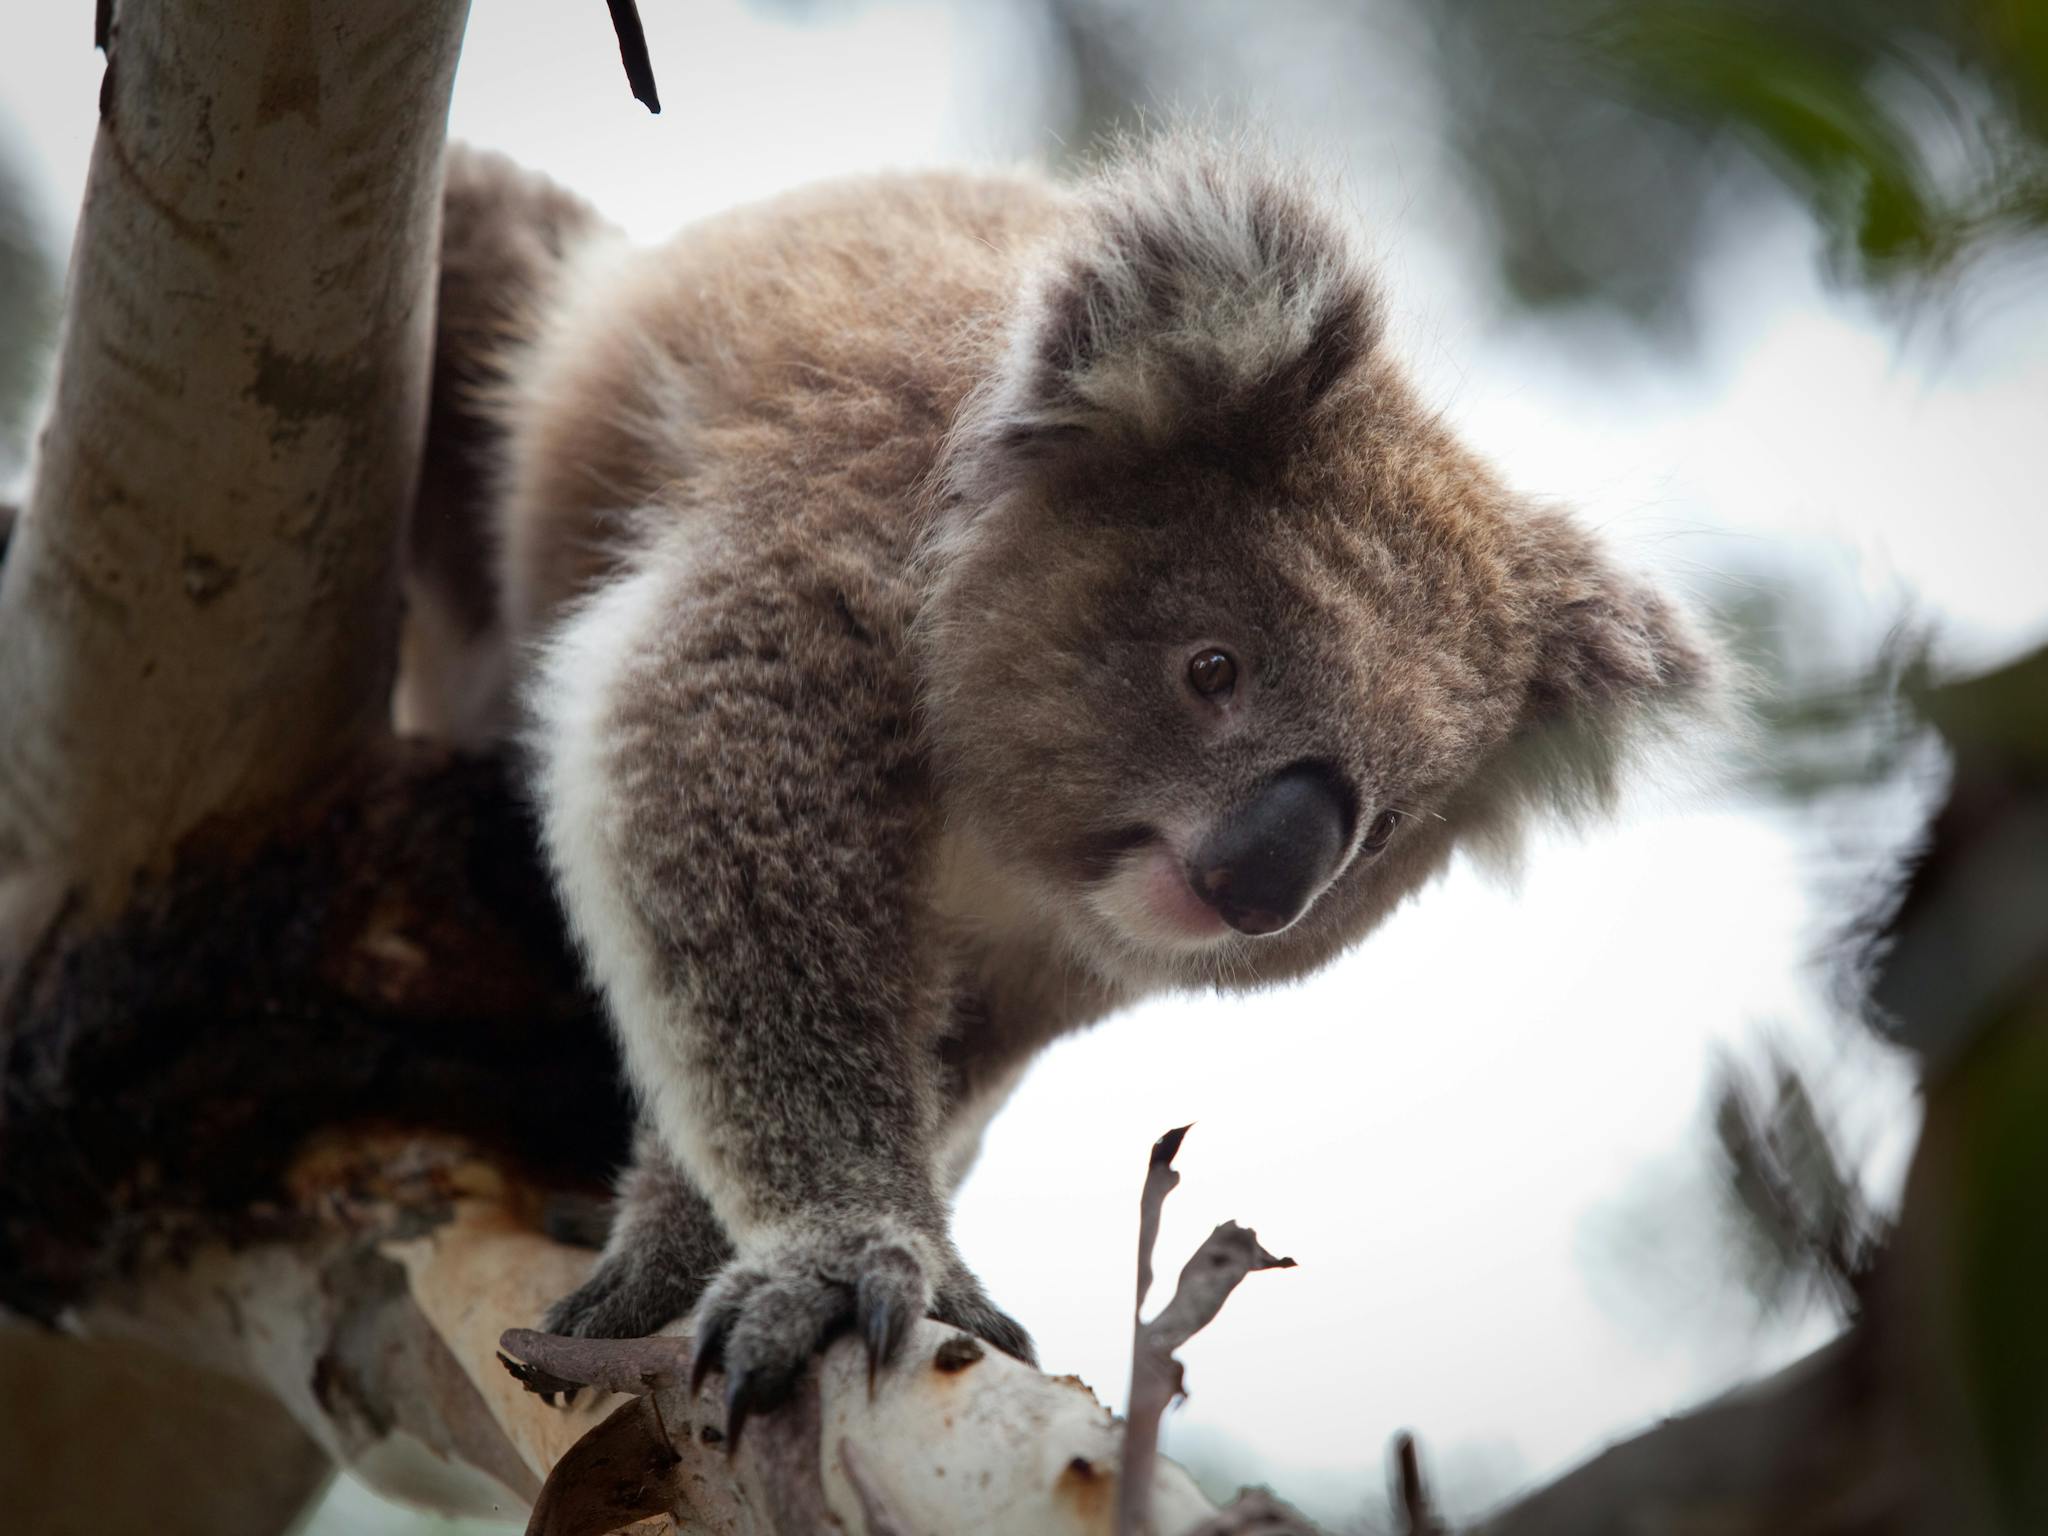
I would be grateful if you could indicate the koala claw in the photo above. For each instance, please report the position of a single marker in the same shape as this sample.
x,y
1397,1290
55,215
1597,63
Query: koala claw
x,y
883,1322
707,1349
762,1321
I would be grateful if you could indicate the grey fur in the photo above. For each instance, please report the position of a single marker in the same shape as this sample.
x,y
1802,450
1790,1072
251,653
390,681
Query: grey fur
x,y
853,547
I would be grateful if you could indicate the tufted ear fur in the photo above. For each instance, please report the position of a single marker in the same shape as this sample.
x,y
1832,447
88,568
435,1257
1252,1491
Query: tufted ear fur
x,y
1201,303
1615,668
1608,639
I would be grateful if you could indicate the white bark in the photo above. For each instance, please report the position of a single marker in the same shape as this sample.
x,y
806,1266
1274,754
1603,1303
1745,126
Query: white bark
x,y
393,1369
199,609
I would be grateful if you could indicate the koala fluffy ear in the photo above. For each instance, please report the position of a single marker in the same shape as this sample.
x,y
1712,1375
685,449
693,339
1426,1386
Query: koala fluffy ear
x,y
1611,640
1201,302
1615,665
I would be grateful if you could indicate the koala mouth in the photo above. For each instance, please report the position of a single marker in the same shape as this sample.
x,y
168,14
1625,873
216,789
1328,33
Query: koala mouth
x,y
1145,895
1254,872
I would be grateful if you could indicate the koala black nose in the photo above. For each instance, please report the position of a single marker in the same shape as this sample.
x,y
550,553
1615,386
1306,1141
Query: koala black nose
x,y
1263,864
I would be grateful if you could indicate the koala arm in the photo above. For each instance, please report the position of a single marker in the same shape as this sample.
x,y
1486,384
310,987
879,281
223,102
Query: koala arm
x,y
733,803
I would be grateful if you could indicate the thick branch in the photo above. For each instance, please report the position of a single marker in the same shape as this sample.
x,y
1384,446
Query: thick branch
x,y
185,1158
1784,1454
376,1326
113,1436
199,607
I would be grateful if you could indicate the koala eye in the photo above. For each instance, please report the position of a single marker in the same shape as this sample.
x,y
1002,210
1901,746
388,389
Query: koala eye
x,y
1381,831
1212,673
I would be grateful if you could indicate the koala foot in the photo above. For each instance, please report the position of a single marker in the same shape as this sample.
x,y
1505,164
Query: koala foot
x,y
628,1296
665,1243
763,1319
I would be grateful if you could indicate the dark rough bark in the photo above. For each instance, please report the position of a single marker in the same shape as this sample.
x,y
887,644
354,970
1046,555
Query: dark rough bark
x,y
393,958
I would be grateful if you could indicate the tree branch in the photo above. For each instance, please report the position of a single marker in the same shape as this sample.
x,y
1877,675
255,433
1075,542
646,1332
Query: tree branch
x,y
995,1443
199,607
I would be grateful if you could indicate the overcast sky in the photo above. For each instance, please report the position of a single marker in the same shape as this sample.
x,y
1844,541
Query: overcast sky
x,y
1481,1133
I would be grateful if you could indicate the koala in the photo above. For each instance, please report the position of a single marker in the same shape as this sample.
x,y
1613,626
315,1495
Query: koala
x,y
941,609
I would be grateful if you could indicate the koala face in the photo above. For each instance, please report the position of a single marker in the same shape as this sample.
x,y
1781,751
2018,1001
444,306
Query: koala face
x,y
1217,722
1227,639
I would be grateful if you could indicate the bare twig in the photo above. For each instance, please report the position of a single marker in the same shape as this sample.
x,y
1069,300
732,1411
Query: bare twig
x,y
1411,1494
549,1362
633,53
1229,1254
1161,1180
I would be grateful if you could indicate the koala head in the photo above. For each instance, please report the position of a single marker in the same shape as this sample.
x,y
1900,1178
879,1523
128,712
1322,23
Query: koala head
x,y
1228,642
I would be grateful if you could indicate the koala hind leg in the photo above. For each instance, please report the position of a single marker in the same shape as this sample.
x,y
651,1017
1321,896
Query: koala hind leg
x,y
507,239
664,1247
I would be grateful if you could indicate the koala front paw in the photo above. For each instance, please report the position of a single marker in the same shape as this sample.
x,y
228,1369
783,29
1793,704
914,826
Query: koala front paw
x,y
628,1296
665,1244
763,1319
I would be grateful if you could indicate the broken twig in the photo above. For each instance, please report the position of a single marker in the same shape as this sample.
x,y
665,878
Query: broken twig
x,y
633,53
1228,1254
552,1362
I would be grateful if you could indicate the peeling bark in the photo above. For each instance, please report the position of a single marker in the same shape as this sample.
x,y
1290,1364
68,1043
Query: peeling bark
x,y
392,957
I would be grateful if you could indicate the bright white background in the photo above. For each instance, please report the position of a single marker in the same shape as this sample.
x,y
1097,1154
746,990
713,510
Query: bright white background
x,y
1481,1134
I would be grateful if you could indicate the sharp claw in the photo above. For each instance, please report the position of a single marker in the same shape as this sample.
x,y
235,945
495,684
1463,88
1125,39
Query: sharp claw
x,y
882,1326
739,1403
875,1332
707,1351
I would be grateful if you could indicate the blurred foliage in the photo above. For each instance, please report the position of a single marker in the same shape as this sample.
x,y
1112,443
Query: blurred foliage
x,y
1913,128
1589,197
1968,937
1611,141
1963,982
1803,1221
1598,132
